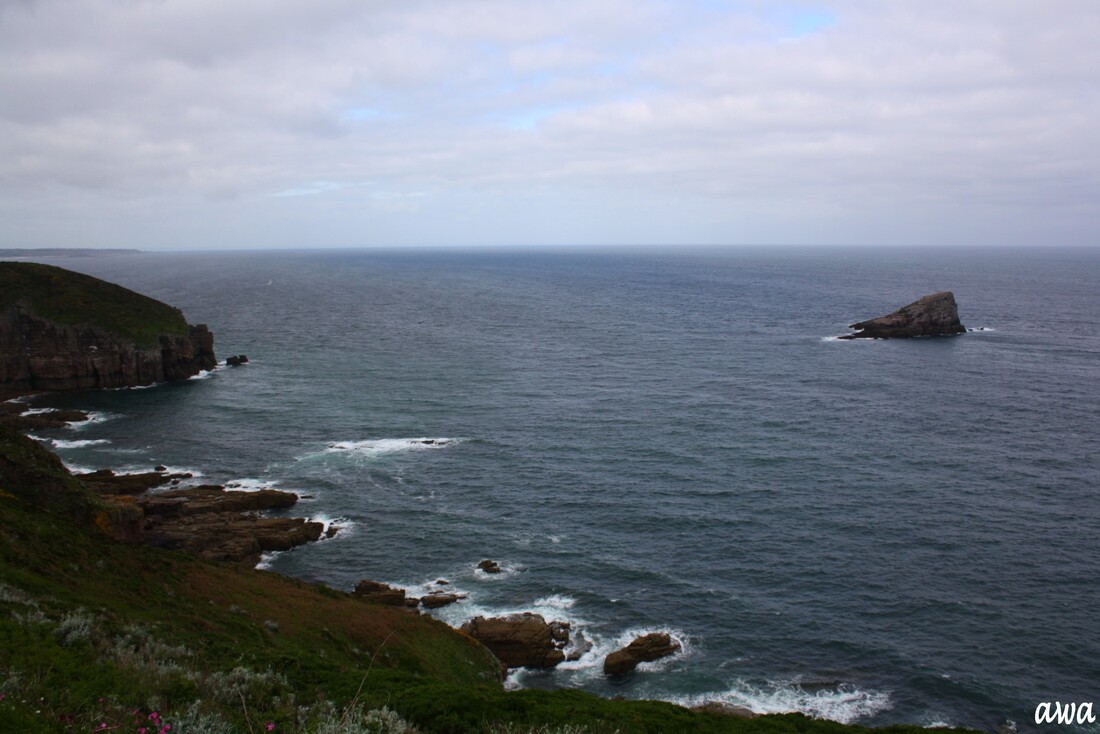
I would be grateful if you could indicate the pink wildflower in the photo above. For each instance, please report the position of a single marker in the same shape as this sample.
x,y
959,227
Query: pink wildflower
x,y
270,726
142,730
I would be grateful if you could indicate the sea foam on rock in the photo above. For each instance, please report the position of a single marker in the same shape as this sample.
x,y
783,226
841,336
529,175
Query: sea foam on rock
x,y
644,649
522,640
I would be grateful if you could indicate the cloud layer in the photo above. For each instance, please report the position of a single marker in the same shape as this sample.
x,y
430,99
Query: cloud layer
x,y
277,123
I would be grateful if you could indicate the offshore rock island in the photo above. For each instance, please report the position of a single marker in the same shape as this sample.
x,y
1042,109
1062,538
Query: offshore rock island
x,y
933,315
61,330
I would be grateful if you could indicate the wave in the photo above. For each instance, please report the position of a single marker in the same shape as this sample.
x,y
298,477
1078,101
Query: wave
x,y
59,443
94,417
250,484
374,448
340,527
203,374
844,703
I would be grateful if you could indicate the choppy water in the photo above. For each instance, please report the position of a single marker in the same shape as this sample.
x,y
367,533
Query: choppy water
x,y
871,531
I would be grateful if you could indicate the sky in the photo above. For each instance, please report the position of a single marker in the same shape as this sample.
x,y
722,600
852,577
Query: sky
x,y
207,124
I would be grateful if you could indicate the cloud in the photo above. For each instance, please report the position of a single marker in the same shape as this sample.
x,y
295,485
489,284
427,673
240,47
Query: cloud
x,y
734,121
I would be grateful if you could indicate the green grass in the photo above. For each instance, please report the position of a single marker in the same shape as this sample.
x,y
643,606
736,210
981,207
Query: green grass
x,y
74,299
94,632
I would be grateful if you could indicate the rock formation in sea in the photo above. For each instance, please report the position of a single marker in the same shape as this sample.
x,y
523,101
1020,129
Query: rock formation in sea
x,y
208,521
933,315
522,640
644,649
61,330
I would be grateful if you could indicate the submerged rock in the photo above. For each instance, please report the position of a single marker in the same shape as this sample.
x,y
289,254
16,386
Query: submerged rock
x,y
644,649
522,640
934,315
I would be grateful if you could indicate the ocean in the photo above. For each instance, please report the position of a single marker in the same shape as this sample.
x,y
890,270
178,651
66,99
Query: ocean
x,y
902,531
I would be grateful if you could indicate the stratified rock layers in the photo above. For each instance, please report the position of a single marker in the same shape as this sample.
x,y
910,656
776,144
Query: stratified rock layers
x,y
933,315
62,330
37,354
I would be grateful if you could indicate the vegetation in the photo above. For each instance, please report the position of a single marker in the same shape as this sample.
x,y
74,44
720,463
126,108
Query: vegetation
x,y
70,298
96,635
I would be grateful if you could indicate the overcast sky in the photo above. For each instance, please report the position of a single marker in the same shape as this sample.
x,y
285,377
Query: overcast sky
x,y
168,124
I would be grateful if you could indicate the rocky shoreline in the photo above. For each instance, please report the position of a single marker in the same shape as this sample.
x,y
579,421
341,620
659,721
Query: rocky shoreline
x,y
220,524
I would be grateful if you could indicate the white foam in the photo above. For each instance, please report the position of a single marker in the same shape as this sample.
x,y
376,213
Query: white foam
x,y
845,703
980,330
202,375
602,646
94,417
249,484
383,446
266,559
35,411
343,526
506,572
59,443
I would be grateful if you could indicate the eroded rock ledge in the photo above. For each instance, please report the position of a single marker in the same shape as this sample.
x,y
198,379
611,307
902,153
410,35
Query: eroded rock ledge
x,y
933,315
208,521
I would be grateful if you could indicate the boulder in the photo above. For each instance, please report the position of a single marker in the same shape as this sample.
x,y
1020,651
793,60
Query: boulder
x,y
934,315
378,593
521,640
438,599
489,566
654,646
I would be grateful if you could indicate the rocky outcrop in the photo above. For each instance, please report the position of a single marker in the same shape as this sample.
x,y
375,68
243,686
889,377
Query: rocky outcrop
x,y
15,417
489,566
644,649
61,330
522,640
437,599
378,593
207,521
934,315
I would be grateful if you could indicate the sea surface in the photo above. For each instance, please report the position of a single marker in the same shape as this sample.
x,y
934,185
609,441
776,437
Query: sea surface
x,y
879,532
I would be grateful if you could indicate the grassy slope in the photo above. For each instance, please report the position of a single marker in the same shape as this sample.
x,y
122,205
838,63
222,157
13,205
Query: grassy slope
x,y
96,632
69,298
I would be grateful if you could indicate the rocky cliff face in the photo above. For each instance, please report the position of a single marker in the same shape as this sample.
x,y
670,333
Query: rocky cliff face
x,y
65,331
37,354
934,315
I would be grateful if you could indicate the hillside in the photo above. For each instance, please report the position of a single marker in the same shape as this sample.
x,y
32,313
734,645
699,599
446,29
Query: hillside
x,y
61,330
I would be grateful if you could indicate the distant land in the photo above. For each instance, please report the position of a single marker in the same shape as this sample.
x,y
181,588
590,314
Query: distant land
x,y
64,252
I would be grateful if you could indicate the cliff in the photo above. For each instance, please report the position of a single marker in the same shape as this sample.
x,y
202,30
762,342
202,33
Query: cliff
x,y
61,330
933,315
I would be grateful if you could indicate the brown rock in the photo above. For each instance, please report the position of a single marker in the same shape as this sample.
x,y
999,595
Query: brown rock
x,y
120,518
934,315
438,599
228,536
106,482
520,641
214,498
489,566
379,593
643,649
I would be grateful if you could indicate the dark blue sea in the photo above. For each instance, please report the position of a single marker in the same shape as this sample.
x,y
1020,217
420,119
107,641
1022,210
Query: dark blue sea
x,y
902,531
